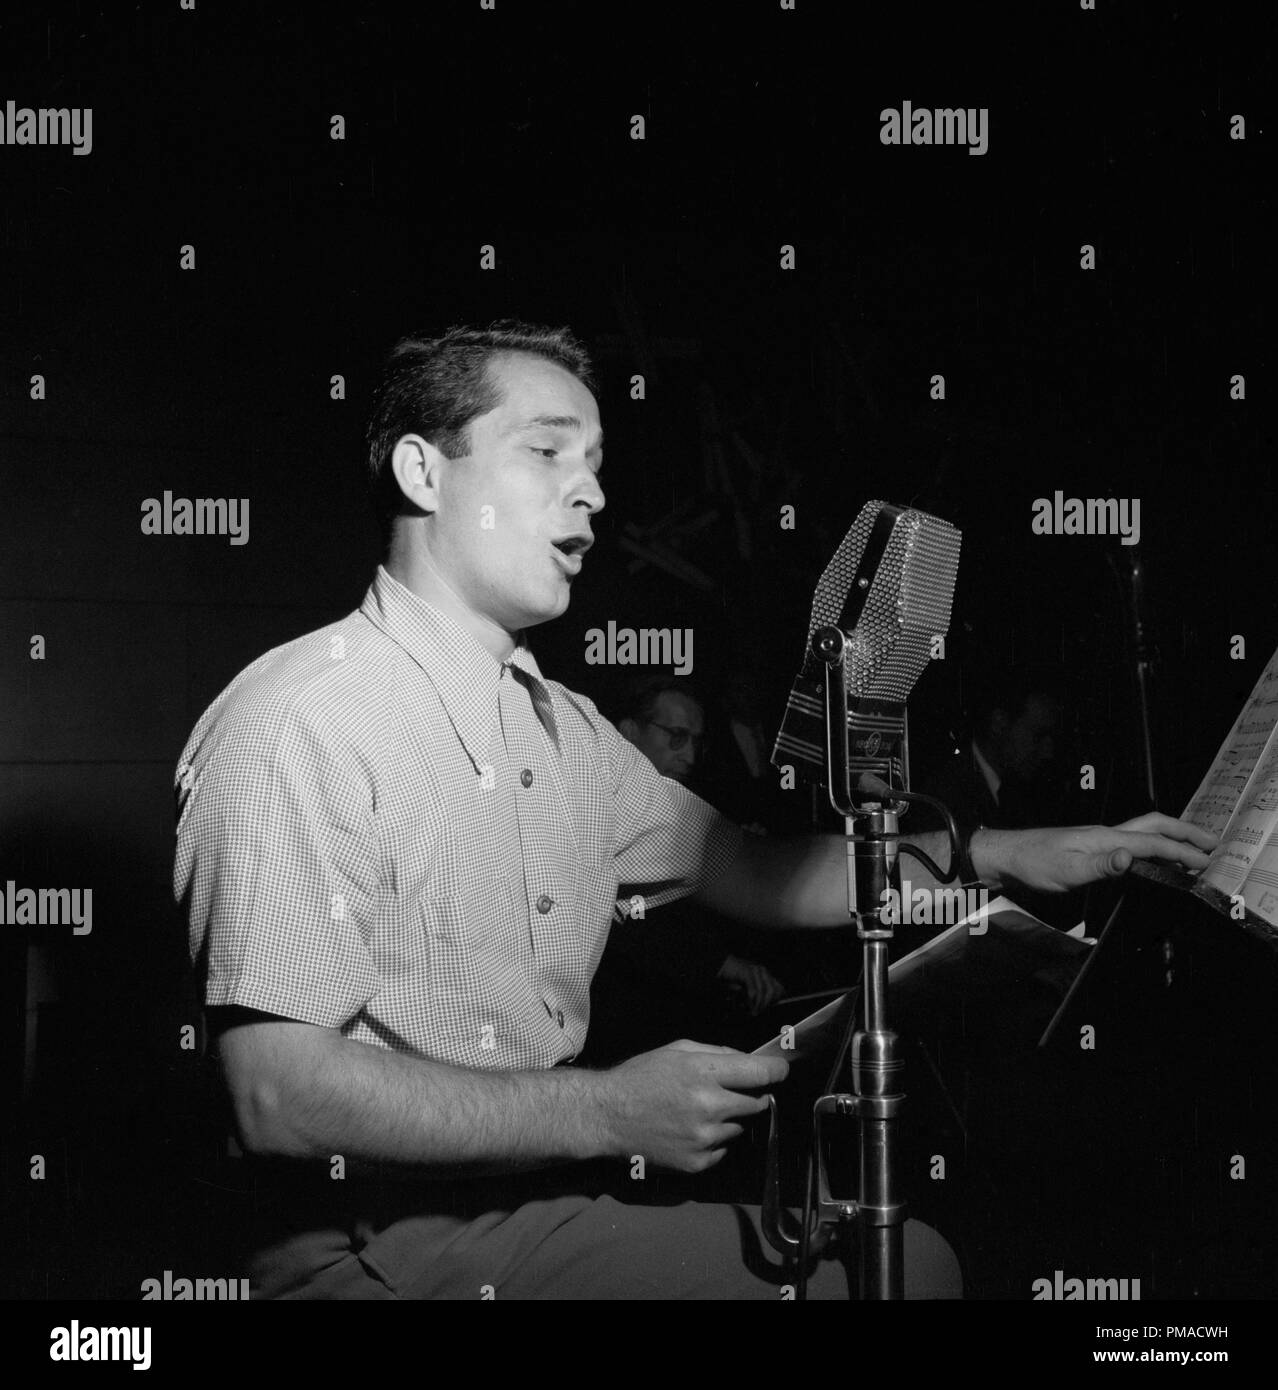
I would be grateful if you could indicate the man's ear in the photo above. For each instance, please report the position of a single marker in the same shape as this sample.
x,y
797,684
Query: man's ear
x,y
629,729
418,467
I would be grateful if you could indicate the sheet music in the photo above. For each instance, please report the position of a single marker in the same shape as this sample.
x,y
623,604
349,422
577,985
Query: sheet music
x,y
1260,892
822,1030
1249,828
1214,804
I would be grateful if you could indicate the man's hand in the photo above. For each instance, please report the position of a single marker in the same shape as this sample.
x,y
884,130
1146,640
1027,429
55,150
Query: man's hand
x,y
1055,861
679,1106
760,986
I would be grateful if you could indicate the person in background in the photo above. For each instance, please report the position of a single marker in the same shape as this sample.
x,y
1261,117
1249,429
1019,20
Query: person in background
x,y
673,971
1002,774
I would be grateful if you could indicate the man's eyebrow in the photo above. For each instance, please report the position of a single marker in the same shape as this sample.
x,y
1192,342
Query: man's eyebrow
x,y
563,422
567,422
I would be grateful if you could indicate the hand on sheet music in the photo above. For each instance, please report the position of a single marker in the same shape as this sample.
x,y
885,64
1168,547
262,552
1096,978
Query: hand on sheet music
x,y
1057,860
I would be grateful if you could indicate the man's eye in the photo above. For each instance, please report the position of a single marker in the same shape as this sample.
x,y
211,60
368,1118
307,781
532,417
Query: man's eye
x,y
546,453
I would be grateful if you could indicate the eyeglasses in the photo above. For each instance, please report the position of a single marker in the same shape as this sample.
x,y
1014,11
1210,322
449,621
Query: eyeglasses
x,y
678,737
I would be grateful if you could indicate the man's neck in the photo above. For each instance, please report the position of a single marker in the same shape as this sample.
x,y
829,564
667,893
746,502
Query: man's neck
x,y
416,572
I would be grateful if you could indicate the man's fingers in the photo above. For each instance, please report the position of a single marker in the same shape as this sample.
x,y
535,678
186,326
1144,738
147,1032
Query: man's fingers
x,y
1154,822
724,1134
687,1045
1154,846
1112,863
734,1103
741,1071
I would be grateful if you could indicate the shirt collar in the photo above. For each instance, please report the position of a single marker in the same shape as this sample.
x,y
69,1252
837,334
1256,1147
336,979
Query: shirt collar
x,y
992,780
463,671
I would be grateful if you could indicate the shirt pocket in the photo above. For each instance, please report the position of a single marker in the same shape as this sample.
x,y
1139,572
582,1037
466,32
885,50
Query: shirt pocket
x,y
453,979
475,972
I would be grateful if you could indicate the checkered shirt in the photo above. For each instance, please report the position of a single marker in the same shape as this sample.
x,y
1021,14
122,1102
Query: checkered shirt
x,y
383,829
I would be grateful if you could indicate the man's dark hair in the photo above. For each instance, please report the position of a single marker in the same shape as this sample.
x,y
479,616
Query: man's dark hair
x,y
639,698
436,386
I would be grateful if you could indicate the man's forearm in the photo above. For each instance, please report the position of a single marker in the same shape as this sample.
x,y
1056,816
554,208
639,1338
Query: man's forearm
x,y
787,883
803,883
314,1094
989,851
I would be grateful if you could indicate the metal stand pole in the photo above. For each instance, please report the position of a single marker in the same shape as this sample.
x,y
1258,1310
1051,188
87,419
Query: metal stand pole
x,y
876,1079
871,828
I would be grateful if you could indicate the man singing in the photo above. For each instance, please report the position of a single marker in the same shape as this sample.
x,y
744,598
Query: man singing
x,y
399,848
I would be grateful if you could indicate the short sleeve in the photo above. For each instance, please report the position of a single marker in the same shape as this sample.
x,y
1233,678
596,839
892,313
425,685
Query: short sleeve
x,y
667,837
277,868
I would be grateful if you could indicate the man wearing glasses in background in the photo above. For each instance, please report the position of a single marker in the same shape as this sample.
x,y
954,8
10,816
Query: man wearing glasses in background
x,y
664,721
674,968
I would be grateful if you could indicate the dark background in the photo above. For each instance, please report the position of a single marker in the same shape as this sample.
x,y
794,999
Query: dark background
x,y
763,388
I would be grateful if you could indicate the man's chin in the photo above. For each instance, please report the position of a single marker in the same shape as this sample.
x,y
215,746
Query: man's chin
x,y
544,612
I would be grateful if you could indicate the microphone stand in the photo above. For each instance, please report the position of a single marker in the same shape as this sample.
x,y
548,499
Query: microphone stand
x,y
872,866
870,817
1131,582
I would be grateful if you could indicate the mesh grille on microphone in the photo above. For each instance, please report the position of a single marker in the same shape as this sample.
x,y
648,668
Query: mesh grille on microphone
x,y
906,562
908,603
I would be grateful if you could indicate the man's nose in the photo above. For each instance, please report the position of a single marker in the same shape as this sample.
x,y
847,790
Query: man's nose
x,y
588,493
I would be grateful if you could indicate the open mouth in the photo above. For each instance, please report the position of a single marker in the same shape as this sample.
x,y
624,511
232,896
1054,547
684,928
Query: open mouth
x,y
570,550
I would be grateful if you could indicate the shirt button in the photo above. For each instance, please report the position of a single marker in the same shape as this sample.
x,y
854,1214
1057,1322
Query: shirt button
x,y
526,777
559,1018
544,904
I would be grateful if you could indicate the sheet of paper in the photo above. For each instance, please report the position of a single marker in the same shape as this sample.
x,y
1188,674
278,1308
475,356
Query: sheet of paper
x,y
1246,842
817,1033
1212,805
1254,875
823,1028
